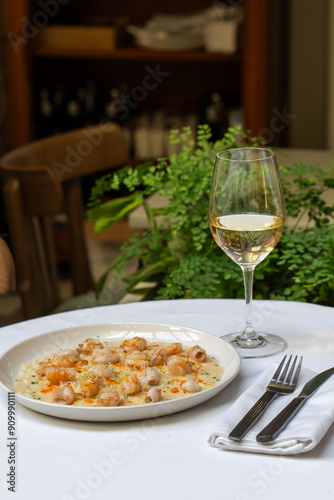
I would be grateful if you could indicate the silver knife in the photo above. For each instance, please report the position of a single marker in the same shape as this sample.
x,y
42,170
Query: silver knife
x,y
279,423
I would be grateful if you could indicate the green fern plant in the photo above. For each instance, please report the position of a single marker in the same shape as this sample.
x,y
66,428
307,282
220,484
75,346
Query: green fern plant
x,y
177,251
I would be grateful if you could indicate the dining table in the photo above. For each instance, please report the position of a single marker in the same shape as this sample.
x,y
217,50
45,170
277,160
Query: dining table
x,y
168,456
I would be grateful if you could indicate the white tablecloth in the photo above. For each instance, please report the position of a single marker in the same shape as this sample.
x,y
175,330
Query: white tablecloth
x,y
169,457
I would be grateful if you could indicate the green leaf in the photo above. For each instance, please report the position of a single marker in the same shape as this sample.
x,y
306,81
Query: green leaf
x,y
149,272
329,182
101,281
106,214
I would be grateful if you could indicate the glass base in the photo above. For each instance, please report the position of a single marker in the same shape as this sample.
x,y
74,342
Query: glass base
x,y
261,346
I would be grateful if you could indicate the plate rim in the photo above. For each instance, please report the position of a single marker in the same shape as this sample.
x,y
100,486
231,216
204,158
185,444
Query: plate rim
x,y
73,410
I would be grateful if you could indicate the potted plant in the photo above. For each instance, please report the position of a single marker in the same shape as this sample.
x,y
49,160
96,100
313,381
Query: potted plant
x,y
177,251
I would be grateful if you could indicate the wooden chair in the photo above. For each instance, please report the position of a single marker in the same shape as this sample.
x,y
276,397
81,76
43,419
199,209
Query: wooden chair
x,y
43,179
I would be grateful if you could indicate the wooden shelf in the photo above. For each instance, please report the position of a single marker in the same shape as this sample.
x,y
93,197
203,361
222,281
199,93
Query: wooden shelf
x,y
244,73
135,54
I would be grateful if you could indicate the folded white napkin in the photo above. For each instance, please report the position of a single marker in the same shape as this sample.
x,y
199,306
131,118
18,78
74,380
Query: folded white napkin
x,y
302,434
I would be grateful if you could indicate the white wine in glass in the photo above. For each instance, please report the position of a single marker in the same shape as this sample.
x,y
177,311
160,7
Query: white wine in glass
x,y
246,217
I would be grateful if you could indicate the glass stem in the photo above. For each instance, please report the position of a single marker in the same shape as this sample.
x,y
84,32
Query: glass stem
x,y
248,272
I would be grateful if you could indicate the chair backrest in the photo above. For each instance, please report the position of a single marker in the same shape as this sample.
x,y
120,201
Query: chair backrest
x,y
7,269
43,179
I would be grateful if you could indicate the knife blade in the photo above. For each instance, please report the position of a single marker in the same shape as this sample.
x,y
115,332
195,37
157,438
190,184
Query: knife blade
x,y
279,423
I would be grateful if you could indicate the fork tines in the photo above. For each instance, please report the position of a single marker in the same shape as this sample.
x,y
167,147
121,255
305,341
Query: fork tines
x,y
284,377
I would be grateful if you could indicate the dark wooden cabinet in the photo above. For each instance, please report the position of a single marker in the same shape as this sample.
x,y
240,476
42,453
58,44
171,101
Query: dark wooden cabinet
x,y
241,77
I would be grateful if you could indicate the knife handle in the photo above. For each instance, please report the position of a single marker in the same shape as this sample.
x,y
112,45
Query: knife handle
x,y
251,416
279,423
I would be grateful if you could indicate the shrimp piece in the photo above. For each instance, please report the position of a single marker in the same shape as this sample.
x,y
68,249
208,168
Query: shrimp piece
x,y
190,386
65,395
89,345
42,367
197,353
153,395
109,399
131,385
151,376
56,375
135,344
159,356
137,359
179,366
68,352
90,387
104,357
81,363
175,348
101,371
65,360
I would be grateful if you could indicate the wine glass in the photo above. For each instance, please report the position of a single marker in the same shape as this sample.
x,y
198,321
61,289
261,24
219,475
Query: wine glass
x,y
246,217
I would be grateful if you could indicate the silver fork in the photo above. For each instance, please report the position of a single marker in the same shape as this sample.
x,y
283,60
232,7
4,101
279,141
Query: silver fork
x,y
283,382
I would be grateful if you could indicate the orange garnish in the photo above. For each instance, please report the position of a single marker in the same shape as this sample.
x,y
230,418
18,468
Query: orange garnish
x,y
50,388
111,381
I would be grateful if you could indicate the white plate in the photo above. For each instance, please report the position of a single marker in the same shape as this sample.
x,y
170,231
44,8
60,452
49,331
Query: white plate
x,y
41,345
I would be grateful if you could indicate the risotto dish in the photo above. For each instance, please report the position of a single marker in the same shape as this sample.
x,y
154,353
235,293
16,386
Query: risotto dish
x,y
109,373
